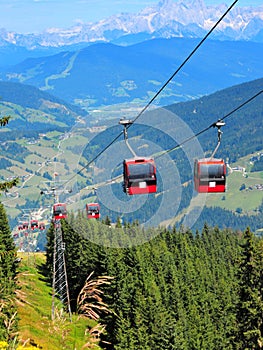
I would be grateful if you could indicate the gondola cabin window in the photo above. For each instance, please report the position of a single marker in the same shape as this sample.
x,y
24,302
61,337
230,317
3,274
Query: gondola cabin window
x,y
42,226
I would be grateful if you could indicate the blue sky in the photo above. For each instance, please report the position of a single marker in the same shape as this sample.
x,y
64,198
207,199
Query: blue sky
x,y
31,16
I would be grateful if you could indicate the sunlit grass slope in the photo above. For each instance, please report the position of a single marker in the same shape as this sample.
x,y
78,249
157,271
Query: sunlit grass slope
x,y
36,328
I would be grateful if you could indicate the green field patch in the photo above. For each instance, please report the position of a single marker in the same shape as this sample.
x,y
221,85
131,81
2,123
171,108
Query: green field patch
x,y
247,199
34,116
18,171
44,152
130,110
6,174
61,75
35,310
32,159
74,140
33,181
53,134
69,161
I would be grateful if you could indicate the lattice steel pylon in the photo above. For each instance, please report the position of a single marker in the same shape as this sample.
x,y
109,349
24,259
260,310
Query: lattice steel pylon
x,y
60,282
60,289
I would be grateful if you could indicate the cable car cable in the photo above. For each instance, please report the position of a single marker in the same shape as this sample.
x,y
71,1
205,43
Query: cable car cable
x,y
185,61
243,104
159,91
210,126
158,155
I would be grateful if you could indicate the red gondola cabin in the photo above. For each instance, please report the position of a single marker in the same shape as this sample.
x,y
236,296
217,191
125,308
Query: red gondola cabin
x,y
210,175
25,225
139,176
42,226
59,211
33,224
93,210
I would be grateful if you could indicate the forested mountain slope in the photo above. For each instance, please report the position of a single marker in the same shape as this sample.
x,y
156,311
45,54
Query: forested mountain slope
x,y
241,108
33,111
29,97
68,151
176,290
166,289
242,134
105,74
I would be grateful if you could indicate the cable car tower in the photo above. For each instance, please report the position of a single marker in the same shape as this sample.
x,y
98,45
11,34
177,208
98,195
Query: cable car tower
x,y
60,287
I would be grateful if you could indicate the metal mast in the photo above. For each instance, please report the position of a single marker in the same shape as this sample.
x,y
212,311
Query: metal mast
x,y
60,289
60,282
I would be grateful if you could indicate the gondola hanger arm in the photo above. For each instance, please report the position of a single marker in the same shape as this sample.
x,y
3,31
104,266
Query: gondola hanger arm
x,y
218,125
126,123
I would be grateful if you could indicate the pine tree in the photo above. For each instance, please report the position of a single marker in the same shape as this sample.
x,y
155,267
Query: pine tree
x,y
8,264
250,305
5,186
118,222
107,221
4,120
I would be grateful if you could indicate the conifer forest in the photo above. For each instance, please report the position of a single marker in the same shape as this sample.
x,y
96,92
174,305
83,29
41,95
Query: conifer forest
x,y
177,290
180,290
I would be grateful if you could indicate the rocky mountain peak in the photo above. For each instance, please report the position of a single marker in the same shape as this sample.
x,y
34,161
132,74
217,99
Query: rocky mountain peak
x,y
168,18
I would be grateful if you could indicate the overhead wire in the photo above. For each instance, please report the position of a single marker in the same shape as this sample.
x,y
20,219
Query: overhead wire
x,y
160,154
158,92
210,126
186,60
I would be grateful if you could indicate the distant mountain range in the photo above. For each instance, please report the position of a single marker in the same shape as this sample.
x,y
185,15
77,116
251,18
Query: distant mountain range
x,y
127,57
104,73
166,19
